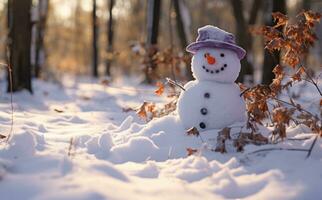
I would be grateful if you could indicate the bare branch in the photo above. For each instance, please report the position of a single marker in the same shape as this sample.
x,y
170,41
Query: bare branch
x,y
175,83
312,81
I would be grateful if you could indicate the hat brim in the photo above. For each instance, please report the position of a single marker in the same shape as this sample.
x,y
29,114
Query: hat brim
x,y
195,46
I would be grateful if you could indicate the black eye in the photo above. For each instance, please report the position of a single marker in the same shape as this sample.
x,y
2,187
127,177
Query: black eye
x,y
222,55
205,55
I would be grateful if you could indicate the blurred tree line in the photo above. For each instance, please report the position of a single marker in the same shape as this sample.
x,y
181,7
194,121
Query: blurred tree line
x,y
113,38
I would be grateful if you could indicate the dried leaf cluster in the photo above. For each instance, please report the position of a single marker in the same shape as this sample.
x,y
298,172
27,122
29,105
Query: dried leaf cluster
x,y
249,138
149,110
155,60
224,135
159,91
191,151
293,40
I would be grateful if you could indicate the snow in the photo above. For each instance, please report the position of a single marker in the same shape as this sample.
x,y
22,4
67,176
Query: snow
x,y
21,145
73,141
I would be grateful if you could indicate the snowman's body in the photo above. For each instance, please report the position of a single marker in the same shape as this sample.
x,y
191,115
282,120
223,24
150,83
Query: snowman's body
x,y
210,105
213,100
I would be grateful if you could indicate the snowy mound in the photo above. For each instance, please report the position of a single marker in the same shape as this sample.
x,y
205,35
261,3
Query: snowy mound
x,y
65,146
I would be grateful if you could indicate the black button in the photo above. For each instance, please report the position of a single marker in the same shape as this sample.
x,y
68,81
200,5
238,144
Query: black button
x,y
222,69
202,125
204,111
217,71
207,95
225,65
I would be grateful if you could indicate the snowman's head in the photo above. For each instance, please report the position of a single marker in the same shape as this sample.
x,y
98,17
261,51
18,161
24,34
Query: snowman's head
x,y
215,64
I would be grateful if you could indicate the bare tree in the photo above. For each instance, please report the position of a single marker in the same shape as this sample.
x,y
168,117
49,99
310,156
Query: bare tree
x,y
19,43
271,59
40,33
180,26
95,39
243,35
181,31
153,18
306,4
110,34
78,46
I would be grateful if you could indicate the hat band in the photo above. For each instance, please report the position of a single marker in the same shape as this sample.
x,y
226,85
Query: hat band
x,y
204,36
220,41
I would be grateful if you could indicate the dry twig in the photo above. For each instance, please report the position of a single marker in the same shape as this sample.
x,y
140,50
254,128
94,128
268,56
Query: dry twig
x,y
8,66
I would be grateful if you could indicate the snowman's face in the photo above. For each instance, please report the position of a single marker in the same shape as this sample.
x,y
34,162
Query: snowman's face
x,y
212,64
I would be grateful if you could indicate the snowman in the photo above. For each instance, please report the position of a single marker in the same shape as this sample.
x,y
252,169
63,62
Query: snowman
x,y
213,100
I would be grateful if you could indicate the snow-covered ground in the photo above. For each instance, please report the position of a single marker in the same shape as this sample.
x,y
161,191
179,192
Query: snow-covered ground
x,y
75,142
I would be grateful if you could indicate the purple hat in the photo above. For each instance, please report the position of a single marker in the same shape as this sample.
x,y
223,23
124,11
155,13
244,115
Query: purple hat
x,y
211,36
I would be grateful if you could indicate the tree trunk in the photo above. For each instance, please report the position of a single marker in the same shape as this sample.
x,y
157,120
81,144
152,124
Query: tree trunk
x,y
154,8
179,23
306,4
272,59
153,18
19,44
110,33
41,24
181,33
243,37
95,38
254,12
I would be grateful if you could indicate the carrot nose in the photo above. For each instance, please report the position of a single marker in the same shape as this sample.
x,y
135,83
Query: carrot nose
x,y
211,60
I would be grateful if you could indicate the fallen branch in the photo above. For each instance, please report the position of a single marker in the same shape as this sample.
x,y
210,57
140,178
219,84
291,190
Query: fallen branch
x,y
298,139
277,149
312,146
